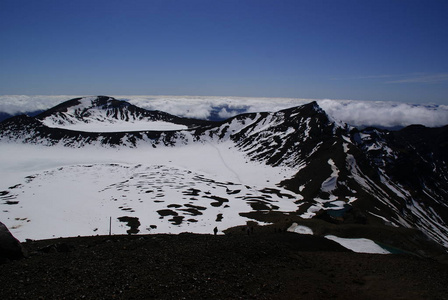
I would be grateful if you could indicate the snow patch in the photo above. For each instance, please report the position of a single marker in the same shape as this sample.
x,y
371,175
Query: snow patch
x,y
300,229
330,184
360,245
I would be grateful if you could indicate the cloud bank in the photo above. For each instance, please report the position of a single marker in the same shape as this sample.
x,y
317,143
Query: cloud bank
x,y
21,104
385,114
356,113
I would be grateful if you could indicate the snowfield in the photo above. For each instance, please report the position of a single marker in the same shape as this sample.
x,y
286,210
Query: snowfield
x,y
60,191
122,126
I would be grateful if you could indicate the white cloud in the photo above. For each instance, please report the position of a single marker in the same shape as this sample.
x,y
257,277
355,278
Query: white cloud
x,y
386,114
353,112
225,114
202,106
184,106
17,104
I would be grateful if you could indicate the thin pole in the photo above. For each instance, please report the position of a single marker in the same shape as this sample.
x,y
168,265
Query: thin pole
x,y
110,225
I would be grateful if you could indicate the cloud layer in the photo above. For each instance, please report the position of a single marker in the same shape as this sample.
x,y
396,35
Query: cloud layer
x,y
385,114
353,112
20,104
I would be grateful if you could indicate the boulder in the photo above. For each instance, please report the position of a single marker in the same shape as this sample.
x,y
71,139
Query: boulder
x,y
10,247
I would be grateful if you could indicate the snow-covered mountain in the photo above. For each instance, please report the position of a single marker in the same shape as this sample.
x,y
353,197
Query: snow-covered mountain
x,y
104,114
91,159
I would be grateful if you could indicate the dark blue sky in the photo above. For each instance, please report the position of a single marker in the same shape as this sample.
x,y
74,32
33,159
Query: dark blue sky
x,y
367,50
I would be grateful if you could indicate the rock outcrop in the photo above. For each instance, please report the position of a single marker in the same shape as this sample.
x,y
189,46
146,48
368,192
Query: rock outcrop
x,y
10,247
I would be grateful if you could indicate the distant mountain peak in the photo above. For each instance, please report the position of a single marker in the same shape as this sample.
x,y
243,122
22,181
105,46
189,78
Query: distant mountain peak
x,y
83,104
103,113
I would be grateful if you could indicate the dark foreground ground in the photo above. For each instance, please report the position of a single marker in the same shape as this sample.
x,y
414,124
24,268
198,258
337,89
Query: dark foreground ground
x,y
259,266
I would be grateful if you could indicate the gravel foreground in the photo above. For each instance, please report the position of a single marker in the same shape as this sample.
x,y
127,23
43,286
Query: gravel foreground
x,y
190,266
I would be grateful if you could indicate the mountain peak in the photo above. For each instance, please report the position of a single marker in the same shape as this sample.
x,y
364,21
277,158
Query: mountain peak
x,y
107,114
82,103
314,104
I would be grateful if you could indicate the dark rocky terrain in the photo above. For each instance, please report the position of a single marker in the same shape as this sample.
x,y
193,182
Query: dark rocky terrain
x,y
263,265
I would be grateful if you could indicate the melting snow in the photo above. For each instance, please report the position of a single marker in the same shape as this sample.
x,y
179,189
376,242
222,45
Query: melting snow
x,y
386,221
330,184
300,229
359,245
311,212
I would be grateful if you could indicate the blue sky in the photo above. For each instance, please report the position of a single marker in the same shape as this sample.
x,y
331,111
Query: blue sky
x,y
394,50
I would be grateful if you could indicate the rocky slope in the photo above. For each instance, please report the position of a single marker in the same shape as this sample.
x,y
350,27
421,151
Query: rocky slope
x,y
236,266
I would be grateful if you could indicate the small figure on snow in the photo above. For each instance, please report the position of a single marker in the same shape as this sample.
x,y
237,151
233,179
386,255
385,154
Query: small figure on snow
x,y
215,230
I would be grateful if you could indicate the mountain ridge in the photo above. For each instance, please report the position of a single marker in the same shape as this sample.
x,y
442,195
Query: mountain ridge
x,y
107,109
